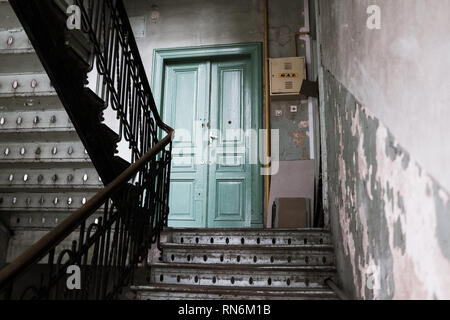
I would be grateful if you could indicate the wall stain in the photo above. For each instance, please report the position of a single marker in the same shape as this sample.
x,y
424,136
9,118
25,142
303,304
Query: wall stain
x,y
298,138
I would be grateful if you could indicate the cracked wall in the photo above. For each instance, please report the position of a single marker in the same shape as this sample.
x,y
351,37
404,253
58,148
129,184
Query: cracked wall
x,y
390,219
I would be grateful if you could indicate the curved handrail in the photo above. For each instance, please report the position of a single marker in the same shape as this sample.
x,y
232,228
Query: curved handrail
x,y
41,248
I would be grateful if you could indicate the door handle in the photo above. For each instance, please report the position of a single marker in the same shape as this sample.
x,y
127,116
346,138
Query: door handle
x,y
212,138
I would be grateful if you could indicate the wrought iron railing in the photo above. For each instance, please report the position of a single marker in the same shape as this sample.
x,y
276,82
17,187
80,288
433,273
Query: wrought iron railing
x,y
121,81
135,205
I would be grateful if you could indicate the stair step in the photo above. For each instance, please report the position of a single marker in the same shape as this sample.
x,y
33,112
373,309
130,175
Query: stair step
x,y
251,236
31,103
14,42
241,275
189,292
321,255
41,122
25,84
44,152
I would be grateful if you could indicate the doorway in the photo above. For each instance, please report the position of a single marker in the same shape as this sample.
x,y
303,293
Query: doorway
x,y
213,102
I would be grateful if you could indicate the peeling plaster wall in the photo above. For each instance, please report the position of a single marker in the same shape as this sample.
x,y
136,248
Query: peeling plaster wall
x,y
398,72
390,219
386,112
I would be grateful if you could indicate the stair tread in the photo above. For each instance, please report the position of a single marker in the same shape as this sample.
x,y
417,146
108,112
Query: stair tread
x,y
229,289
247,247
244,230
261,267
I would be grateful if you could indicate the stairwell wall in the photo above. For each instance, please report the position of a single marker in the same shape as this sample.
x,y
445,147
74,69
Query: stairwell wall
x,y
386,96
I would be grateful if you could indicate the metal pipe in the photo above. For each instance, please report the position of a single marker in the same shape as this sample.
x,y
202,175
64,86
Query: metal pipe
x,y
267,108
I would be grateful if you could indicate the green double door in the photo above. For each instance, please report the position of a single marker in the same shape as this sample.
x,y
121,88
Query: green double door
x,y
214,181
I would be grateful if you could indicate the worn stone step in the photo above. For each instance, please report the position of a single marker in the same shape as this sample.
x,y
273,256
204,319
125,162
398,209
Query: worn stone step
x,y
320,255
189,292
241,275
250,236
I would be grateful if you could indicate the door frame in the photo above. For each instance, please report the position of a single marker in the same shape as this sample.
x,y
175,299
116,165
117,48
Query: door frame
x,y
252,50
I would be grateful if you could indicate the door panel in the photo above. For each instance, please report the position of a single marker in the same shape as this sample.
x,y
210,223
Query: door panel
x,y
185,102
229,197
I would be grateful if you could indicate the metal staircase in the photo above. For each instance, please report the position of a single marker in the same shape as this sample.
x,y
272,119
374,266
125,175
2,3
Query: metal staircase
x,y
110,233
241,264
45,171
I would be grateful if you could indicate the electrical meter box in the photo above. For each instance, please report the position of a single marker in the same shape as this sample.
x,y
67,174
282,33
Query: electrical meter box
x,y
287,75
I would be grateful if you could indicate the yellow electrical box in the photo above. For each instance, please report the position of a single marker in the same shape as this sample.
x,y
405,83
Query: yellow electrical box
x,y
287,75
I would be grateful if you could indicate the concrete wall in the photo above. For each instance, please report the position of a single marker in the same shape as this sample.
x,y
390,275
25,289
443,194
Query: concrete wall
x,y
386,99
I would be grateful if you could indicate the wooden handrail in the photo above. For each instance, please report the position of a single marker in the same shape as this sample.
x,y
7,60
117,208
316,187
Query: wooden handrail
x,y
41,248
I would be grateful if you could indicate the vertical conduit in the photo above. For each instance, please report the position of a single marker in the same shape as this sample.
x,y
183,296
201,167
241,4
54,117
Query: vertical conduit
x,y
267,109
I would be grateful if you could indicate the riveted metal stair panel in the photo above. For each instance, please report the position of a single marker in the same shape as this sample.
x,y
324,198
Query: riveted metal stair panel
x,y
241,264
25,84
30,103
44,201
64,179
250,254
14,41
46,172
41,122
51,152
251,236
241,275
183,292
